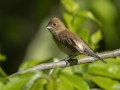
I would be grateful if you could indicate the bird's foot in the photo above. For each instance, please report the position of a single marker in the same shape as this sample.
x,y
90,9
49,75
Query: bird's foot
x,y
66,60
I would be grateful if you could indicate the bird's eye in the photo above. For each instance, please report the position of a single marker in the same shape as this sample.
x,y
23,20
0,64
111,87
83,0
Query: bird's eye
x,y
54,24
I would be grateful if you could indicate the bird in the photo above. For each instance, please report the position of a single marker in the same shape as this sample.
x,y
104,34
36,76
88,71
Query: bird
x,y
69,42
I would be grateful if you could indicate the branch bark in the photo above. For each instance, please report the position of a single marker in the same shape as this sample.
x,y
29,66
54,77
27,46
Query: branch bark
x,y
62,63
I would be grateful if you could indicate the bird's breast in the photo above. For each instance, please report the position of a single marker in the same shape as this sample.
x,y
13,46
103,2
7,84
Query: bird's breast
x,y
64,48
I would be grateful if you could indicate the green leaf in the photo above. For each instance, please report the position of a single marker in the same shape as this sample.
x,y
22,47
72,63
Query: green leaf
x,y
109,70
105,83
3,82
2,57
68,20
35,77
64,86
108,13
89,15
96,37
68,70
77,22
84,34
74,81
18,82
2,85
28,64
51,85
55,72
2,73
39,84
71,6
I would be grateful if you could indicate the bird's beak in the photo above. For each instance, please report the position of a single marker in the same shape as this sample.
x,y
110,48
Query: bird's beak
x,y
48,27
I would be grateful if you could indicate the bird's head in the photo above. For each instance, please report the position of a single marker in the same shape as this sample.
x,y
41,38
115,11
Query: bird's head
x,y
55,26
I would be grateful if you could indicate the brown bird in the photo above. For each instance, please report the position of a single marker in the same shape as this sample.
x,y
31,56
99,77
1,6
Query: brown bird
x,y
67,41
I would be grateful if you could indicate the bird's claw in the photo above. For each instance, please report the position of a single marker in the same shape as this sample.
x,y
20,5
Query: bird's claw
x,y
66,60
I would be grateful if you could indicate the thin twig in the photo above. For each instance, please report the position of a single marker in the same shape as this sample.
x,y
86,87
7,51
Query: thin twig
x,y
62,63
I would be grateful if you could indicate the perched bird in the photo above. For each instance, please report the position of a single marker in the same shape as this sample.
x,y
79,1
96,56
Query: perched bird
x,y
67,41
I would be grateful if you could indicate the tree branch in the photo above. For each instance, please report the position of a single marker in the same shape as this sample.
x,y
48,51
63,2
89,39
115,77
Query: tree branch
x,y
62,63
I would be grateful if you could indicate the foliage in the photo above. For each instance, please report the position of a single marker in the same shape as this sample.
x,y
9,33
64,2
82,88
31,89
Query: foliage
x,y
2,57
95,76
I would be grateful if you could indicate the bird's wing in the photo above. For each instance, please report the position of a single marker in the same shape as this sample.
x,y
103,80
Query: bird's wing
x,y
68,38
74,42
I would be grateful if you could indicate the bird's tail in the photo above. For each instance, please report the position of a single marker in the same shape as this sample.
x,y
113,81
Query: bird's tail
x,y
96,56
91,53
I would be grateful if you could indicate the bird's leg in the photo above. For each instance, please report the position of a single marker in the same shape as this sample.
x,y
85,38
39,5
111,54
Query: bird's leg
x,y
66,60
69,57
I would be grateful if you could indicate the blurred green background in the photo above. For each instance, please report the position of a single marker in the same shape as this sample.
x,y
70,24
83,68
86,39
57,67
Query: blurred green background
x,y
25,42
